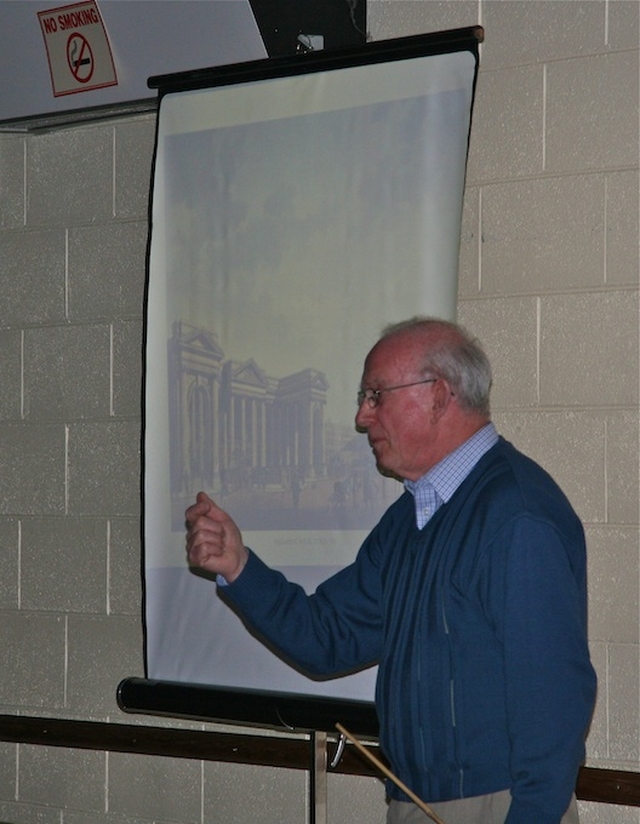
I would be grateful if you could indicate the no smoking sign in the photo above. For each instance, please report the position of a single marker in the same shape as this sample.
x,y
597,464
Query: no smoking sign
x,y
78,48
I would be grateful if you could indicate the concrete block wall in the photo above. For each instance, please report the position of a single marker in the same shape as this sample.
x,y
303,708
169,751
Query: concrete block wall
x,y
548,280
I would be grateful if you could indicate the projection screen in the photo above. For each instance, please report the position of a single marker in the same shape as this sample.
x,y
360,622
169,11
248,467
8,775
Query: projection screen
x,y
298,206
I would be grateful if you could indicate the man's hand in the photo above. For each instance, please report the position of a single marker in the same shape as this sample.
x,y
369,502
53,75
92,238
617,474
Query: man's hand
x,y
214,542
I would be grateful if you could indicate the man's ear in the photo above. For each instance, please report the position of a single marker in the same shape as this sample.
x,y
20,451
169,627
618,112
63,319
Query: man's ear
x,y
441,397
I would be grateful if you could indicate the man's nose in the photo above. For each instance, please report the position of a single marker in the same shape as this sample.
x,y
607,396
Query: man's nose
x,y
364,415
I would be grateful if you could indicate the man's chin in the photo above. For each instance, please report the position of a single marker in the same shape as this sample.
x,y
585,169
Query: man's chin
x,y
386,472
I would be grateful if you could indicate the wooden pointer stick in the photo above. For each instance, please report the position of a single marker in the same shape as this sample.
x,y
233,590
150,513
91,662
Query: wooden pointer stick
x,y
416,800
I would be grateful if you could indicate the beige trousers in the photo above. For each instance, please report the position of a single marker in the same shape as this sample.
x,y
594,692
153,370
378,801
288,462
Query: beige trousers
x,y
482,809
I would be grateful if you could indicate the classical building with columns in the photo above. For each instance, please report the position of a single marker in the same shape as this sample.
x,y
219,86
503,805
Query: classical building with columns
x,y
234,427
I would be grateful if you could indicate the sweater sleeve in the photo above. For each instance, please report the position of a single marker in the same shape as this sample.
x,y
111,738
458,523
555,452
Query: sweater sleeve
x,y
550,684
335,630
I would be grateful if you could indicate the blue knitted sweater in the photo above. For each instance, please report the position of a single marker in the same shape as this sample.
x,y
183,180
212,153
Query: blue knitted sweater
x,y
478,624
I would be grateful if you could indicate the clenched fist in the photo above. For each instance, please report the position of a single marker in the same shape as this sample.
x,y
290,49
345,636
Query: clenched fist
x,y
214,542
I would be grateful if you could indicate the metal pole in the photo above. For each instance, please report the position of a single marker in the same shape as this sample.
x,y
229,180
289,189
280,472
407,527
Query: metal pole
x,y
318,779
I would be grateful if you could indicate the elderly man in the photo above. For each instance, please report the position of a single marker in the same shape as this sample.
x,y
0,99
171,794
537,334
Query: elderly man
x,y
470,594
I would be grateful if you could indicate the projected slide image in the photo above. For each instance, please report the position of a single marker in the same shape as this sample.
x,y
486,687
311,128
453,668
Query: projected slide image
x,y
285,257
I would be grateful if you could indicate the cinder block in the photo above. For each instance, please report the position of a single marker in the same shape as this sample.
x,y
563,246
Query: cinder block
x,y
70,175
622,262
32,662
11,374
107,271
32,277
104,468
64,564
507,130
623,467
623,24
525,33
33,469
624,702
152,787
64,778
614,573
7,770
589,349
9,562
592,113
238,792
543,235
133,156
66,372
12,183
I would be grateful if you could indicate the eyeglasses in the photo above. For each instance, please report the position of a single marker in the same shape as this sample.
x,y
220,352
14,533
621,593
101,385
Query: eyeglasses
x,y
372,396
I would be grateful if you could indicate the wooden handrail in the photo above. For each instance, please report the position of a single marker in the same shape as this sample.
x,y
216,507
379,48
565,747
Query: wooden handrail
x,y
601,785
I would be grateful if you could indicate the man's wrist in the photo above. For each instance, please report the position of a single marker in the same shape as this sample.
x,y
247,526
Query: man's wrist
x,y
225,580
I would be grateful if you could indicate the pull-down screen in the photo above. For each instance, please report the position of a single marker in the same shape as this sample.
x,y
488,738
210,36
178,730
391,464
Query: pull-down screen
x,y
292,218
